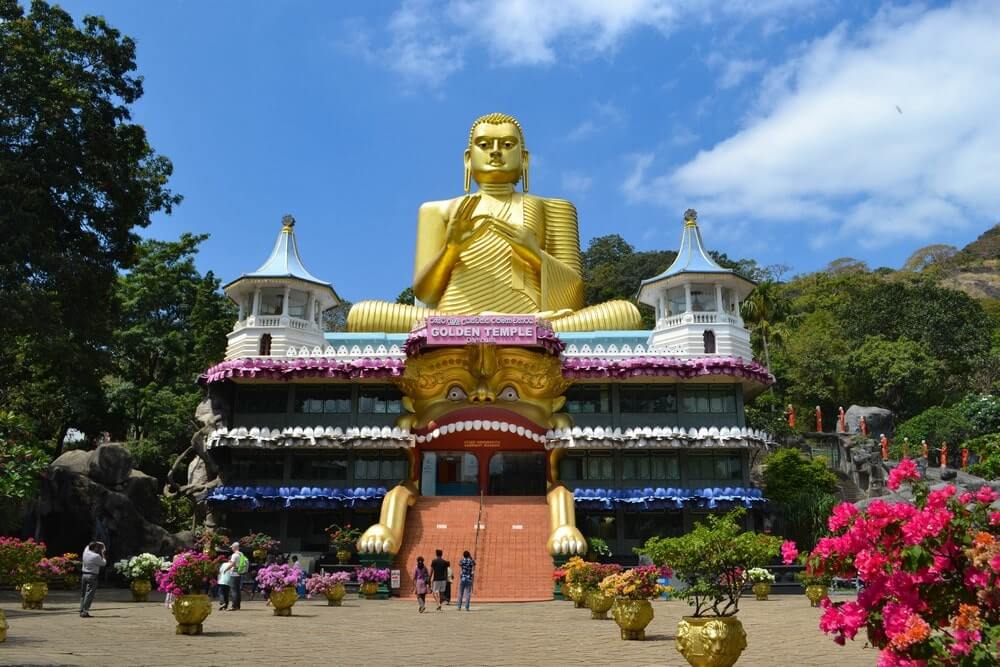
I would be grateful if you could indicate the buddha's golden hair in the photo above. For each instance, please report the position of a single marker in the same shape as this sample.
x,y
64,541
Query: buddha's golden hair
x,y
496,118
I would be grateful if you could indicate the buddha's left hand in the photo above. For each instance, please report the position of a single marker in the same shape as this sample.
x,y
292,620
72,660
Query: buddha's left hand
x,y
521,239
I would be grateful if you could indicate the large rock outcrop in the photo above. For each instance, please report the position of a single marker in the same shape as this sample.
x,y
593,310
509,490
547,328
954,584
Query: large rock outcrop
x,y
98,495
879,420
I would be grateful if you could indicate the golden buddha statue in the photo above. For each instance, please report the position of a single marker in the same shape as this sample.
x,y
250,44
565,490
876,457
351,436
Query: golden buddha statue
x,y
498,250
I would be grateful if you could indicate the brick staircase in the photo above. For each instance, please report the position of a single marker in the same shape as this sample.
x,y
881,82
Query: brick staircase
x,y
512,564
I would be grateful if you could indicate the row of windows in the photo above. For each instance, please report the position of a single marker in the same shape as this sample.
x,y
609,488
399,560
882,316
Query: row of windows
x,y
637,525
653,466
320,400
389,466
651,399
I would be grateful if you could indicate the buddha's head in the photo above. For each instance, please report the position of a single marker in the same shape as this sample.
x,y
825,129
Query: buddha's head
x,y
469,391
496,151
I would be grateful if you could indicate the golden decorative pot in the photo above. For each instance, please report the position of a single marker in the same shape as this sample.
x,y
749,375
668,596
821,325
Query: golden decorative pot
x,y
577,595
33,594
711,641
816,593
370,590
190,611
599,604
343,556
259,555
762,589
140,589
632,616
3,627
564,591
335,594
283,599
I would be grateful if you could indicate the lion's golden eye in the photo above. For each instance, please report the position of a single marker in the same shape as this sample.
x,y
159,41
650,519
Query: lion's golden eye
x,y
456,393
509,394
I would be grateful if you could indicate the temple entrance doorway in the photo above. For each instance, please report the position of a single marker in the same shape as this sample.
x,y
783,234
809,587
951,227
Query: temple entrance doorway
x,y
450,474
517,474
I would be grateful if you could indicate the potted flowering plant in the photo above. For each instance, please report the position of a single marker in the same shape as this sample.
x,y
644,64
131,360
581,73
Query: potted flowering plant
x,y
20,564
140,570
210,541
258,545
574,568
330,584
597,548
590,578
712,560
760,579
559,579
370,579
186,579
342,540
632,590
931,574
815,579
280,582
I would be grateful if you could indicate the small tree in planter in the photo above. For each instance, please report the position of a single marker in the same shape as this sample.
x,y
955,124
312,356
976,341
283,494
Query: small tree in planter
x,y
712,560
342,540
280,582
760,579
210,541
258,545
189,575
632,590
330,584
21,565
590,578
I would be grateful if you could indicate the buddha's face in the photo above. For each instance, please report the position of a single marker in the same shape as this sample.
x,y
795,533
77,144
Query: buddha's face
x,y
479,388
496,154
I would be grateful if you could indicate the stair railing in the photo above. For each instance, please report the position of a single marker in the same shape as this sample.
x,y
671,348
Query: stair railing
x,y
479,520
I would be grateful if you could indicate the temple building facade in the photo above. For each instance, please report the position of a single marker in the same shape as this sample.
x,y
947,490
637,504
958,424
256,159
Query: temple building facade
x,y
516,436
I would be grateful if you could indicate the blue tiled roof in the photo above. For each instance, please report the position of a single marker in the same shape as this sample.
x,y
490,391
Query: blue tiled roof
x,y
691,257
284,260
605,338
363,338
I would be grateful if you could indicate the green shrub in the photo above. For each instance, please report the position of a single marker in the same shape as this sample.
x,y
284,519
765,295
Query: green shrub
x,y
987,447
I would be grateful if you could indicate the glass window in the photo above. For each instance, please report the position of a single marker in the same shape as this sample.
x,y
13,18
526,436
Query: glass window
x,y
644,525
271,301
257,468
598,524
579,467
719,467
648,398
319,468
262,400
676,301
728,468
588,399
653,466
297,304
380,401
385,466
708,400
702,298
320,400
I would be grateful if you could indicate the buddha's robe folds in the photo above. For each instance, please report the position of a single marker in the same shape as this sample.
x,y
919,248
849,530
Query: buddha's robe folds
x,y
489,276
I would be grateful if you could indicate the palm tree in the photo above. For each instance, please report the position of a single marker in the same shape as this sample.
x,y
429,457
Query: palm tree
x,y
763,311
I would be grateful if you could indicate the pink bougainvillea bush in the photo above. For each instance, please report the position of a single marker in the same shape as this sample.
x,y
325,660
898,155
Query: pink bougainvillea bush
x,y
318,584
275,577
930,571
191,572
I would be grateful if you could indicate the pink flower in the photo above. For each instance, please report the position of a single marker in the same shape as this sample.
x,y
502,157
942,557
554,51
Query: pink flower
x,y
906,470
842,516
986,495
995,518
788,552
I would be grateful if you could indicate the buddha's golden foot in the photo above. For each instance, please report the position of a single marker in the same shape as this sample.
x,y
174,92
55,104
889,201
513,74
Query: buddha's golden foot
x,y
378,539
567,540
611,315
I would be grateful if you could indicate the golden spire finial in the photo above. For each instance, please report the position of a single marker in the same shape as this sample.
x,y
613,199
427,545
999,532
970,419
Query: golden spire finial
x,y
287,222
690,218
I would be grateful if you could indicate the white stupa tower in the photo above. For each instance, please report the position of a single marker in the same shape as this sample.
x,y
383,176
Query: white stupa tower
x,y
280,304
697,302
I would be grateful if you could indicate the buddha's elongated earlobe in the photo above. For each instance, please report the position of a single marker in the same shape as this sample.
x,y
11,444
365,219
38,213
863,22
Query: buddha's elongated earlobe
x,y
525,159
468,170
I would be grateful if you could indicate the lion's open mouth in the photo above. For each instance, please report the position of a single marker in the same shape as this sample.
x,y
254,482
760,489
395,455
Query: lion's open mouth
x,y
480,423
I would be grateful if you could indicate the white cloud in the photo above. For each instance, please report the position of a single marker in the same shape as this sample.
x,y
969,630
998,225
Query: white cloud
x,y
827,144
606,114
734,70
427,43
576,182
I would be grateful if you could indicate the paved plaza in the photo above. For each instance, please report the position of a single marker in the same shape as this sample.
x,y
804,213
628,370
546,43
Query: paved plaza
x,y
781,631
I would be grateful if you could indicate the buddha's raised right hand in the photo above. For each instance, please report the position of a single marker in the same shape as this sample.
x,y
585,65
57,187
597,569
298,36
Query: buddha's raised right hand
x,y
462,229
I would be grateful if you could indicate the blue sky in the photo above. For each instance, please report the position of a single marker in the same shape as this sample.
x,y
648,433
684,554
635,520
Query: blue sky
x,y
801,131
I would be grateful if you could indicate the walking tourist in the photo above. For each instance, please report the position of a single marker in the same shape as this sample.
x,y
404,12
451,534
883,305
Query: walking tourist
x,y
467,572
225,571
446,596
239,566
420,577
93,560
439,577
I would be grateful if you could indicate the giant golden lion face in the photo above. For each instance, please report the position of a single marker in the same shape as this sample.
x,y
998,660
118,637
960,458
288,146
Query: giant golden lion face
x,y
484,388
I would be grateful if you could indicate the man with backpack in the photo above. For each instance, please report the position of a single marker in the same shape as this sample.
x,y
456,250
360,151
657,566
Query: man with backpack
x,y
238,566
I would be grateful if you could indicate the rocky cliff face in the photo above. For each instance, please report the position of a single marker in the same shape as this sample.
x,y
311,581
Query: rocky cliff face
x,y
99,495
